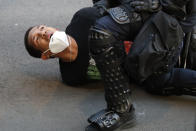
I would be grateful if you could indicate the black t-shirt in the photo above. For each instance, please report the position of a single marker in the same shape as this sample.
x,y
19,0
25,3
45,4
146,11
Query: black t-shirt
x,y
75,73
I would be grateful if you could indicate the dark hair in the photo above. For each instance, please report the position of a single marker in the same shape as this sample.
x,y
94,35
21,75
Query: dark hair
x,y
30,49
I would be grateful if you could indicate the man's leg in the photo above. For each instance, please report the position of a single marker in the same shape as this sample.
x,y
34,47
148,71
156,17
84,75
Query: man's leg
x,y
178,82
107,50
79,29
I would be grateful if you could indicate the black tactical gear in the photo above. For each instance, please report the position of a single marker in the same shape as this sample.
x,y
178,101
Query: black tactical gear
x,y
123,15
101,3
156,47
105,120
184,10
102,6
154,52
94,1
108,60
176,82
117,92
146,5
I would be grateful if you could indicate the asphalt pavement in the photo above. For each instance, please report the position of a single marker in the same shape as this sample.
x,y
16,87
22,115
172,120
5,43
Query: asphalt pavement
x,y
32,96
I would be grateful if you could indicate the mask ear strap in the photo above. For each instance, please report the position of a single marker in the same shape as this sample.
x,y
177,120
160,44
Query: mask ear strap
x,y
45,51
44,56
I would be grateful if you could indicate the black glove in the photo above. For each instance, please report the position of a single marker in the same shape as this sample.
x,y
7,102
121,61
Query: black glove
x,y
102,5
94,1
146,5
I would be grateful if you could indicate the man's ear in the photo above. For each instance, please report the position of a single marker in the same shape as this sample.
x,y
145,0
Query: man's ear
x,y
45,56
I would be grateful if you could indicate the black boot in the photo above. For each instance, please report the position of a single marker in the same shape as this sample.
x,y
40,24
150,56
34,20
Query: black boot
x,y
107,120
108,58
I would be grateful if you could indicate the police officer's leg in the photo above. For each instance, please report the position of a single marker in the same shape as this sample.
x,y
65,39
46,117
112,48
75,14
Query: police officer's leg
x,y
191,58
107,51
79,29
178,82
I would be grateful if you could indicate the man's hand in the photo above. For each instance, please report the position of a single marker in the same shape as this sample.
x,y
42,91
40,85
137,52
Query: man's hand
x,y
146,5
102,6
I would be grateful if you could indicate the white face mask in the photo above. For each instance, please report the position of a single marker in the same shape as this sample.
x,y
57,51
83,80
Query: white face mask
x,y
58,42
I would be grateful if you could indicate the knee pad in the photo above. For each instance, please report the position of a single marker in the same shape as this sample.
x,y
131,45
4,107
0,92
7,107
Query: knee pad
x,y
100,40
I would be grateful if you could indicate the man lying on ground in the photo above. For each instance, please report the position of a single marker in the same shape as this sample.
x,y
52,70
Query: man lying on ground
x,y
75,58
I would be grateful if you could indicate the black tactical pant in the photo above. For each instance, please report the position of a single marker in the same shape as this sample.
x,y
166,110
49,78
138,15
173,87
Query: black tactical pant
x,y
177,82
178,77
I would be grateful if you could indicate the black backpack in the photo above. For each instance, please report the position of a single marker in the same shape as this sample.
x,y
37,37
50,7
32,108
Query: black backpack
x,y
156,48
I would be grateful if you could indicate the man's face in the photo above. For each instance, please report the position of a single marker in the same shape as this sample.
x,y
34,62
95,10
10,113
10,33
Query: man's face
x,y
39,37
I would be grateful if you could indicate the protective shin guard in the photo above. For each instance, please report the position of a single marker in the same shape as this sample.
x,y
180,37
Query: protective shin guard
x,y
119,112
108,61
